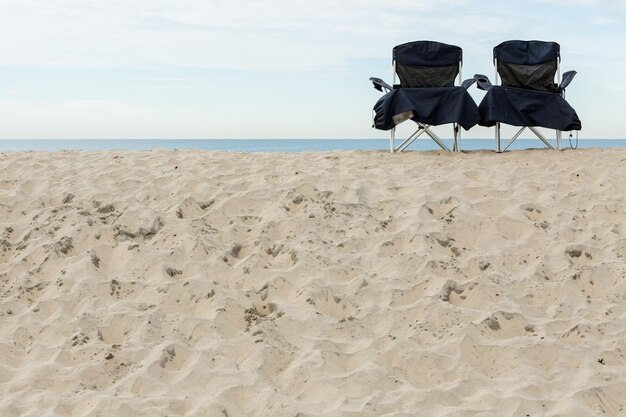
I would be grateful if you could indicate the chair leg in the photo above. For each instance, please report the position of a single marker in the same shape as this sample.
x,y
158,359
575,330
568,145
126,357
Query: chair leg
x,y
498,137
519,132
422,128
410,139
541,136
434,137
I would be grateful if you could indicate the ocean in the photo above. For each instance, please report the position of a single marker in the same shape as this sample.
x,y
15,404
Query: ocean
x,y
274,145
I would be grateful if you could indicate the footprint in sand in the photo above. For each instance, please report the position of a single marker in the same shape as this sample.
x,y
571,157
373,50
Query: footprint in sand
x,y
442,209
444,243
579,254
534,212
168,355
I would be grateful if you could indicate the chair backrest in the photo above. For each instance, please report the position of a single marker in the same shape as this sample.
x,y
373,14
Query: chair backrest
x,y
427,64
528,64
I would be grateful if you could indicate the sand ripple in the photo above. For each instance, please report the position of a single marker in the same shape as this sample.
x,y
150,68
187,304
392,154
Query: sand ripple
x,y
315,284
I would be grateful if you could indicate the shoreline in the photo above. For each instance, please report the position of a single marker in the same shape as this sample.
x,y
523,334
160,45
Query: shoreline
x,y
278,145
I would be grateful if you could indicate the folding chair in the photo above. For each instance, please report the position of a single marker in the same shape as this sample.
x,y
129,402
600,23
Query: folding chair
x,y
528,96
427,94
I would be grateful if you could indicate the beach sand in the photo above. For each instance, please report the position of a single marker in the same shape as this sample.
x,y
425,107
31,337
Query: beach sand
x,y
192,283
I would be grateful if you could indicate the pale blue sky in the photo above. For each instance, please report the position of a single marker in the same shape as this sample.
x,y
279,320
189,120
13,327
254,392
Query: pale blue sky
x,y
271,68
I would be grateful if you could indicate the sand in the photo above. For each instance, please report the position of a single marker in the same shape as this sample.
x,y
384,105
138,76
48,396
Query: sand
x,y
188,283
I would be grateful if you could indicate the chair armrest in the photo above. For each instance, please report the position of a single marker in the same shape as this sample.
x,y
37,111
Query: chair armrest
x,y
466,84
482,81
567,79
380,84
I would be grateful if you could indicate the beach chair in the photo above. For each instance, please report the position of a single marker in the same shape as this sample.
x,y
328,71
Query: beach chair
x,y
528,96
426,95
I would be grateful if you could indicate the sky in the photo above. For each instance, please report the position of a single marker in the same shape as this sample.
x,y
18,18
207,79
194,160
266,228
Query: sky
x,y
208,69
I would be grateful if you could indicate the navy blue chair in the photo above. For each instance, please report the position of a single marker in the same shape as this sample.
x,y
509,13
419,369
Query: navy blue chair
x,y
528,96
427,93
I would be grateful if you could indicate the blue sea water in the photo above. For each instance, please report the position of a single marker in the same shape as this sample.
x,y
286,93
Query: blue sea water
x,y
272,145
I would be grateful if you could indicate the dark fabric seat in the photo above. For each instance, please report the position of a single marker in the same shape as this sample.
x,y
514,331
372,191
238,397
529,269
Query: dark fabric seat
x,y
522,107
427,93
430,105
528,95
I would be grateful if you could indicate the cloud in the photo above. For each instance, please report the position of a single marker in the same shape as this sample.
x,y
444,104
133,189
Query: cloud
x,y
600,5
69,118
603,21
98,119
574,2
236,34
118,119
